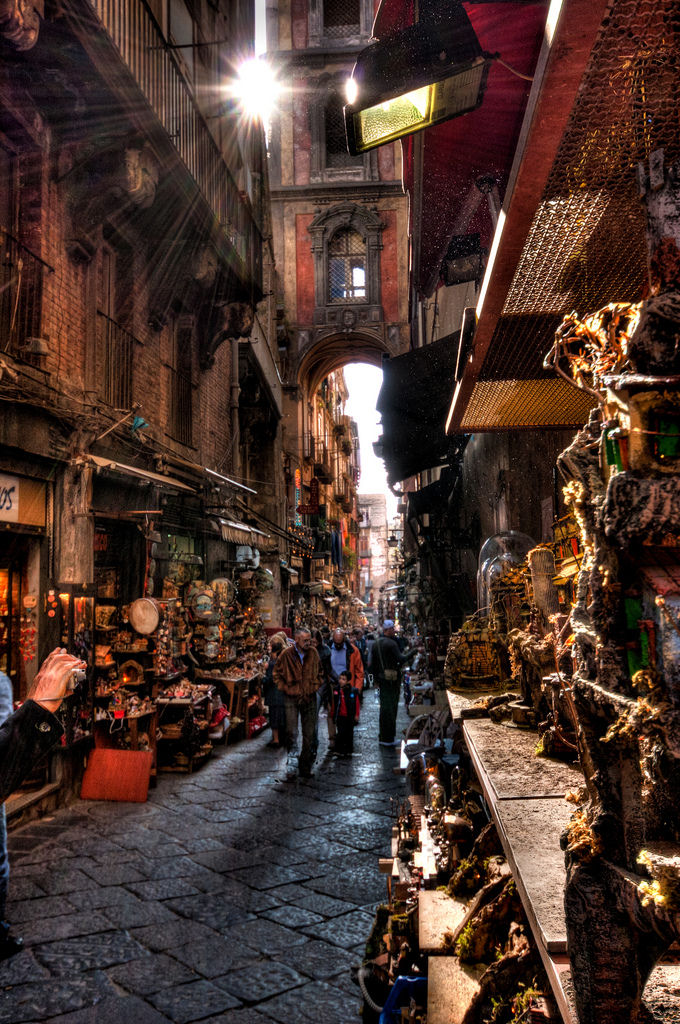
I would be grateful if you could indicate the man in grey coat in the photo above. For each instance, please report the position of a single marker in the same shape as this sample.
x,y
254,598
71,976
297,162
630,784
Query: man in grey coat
x,y
386,662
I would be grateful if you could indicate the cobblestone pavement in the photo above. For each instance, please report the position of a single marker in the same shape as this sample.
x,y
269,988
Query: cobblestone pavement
x,y
229,896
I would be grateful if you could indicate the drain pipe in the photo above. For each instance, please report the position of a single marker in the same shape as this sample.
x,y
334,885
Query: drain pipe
x,y
233,407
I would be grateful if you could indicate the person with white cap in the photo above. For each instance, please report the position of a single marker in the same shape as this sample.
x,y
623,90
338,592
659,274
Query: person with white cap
x,y
385,664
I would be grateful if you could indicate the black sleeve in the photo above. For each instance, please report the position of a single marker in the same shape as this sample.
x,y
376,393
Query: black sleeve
x,y
24,738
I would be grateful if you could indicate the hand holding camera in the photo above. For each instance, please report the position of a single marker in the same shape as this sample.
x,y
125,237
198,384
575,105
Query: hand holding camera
x,y
59,674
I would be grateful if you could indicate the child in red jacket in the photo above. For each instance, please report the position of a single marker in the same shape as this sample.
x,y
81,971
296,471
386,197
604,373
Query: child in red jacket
x,y
345,714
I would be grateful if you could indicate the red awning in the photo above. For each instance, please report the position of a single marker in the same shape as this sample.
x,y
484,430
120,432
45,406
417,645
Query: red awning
x,y
480,143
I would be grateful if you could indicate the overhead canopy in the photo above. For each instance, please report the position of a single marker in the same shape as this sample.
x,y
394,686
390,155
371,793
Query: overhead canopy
x,y
431,497
113,466
572,236
413,402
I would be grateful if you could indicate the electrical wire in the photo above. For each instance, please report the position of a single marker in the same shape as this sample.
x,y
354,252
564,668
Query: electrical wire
x,y
513,71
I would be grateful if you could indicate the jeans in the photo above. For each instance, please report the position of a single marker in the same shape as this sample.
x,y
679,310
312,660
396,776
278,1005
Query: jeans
x,y
300,759
389,703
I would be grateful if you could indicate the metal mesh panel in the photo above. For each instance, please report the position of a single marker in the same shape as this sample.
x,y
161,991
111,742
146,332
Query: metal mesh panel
x,y
340,18
347,267
586,246
525,404
337,154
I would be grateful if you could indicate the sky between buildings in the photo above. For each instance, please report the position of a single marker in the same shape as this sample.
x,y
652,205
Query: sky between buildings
x,y
363,385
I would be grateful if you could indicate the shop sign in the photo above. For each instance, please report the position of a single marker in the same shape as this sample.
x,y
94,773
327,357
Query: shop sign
x,y
298,496
22,500
312,506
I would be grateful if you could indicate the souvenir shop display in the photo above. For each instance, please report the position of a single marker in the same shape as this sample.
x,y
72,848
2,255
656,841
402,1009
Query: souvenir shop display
x,y
177,671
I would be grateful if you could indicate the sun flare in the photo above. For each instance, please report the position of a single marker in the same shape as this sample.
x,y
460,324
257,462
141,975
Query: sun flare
x,y
256,89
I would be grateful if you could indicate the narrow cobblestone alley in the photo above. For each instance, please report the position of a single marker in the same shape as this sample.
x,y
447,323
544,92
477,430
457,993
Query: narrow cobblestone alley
x,y
229,896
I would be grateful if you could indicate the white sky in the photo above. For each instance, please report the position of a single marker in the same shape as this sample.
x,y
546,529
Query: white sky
x,y
363,385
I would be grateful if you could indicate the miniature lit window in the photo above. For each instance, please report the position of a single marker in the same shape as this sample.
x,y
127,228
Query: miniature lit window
x,y
666,433
347,267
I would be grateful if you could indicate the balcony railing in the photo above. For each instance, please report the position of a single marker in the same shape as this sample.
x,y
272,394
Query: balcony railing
x,y
322,462
20,296
115,346
140,42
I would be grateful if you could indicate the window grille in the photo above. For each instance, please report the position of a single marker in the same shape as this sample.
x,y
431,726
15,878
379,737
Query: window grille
x,y
347,267
336,140
115,346
180,385
20,296
341,18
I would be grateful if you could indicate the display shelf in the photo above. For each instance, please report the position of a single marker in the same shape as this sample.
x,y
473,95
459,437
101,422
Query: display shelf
x,y
525,794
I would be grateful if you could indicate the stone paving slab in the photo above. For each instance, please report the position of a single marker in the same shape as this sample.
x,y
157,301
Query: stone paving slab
x,y
227,887
321,904
315,1002
266,936
194,1001
319,960
292,916
248,1015
67,957
69,926
219,911
260,981
116,1010
44,999
212,957
345,931
150,974
177,933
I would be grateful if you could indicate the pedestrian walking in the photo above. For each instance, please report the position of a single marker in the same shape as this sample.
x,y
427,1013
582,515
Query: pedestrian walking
x,y
297,673
386,664
346,709
273,697
345,657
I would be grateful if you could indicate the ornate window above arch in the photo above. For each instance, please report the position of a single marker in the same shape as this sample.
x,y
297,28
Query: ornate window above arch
x,y
330,159
346,244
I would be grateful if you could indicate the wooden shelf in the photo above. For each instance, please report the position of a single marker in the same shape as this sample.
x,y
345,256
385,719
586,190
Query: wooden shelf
x,y
525,794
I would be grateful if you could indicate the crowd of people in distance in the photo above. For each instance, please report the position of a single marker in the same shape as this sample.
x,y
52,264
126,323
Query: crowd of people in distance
x,y
319,673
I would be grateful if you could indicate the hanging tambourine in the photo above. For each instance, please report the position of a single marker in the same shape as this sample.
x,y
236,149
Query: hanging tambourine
x,y
144,615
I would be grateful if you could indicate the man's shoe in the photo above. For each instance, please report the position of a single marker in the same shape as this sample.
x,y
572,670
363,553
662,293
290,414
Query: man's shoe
x,y
10,946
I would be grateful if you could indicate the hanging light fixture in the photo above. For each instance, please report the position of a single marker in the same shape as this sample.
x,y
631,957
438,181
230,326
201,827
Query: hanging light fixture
x,y
423,75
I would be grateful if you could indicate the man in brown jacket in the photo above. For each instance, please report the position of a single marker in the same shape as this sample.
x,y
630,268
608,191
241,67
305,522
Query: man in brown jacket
x,y
297,673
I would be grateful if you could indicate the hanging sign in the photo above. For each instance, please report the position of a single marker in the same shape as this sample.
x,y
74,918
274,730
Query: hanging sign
x,y
298,496
312,506
22,500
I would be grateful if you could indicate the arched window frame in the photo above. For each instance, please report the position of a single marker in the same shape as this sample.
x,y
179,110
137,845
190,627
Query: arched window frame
x,y
366,222
366,167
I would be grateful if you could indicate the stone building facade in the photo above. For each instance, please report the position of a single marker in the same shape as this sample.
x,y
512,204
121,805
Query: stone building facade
x,y
339,222
139,387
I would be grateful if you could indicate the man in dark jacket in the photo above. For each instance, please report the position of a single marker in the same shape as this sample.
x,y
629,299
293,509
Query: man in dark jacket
x,y
386,663
30,731
298,675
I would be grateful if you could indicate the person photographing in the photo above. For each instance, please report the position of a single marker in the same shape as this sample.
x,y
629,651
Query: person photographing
x,y
30,731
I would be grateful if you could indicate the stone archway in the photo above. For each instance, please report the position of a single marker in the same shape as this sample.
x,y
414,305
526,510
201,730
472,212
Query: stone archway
x,y
337,350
